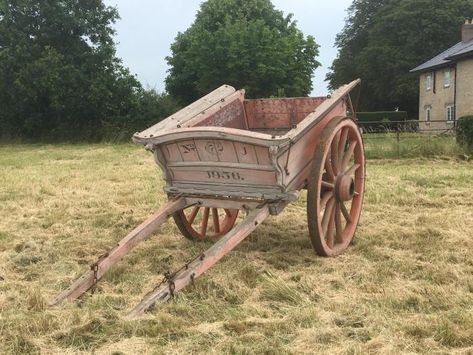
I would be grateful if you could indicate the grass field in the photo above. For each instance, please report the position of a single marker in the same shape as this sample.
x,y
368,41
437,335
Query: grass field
x,y
405,286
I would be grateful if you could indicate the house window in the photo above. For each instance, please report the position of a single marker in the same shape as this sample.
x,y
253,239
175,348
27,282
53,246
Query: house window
x,y
429,82
450,113
428,114
446,78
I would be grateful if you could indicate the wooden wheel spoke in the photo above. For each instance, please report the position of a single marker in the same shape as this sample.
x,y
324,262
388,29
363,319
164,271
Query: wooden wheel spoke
x,y
331,230
345,212
205,221
348,154
342,145
328,185
338,223
353,168
328,168
334,156
228,212
327,215
325,198
215,220
193,214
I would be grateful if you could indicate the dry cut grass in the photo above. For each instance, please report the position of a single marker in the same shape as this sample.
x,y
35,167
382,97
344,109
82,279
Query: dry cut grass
x,y
405,286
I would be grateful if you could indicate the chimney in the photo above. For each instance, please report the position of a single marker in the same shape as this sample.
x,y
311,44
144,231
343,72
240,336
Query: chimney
x,y
467,31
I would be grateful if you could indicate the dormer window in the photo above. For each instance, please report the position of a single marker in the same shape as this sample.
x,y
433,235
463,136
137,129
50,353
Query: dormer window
x,y
446,78
429,82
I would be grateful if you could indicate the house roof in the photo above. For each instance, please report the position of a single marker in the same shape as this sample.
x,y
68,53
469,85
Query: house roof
x,y
447,57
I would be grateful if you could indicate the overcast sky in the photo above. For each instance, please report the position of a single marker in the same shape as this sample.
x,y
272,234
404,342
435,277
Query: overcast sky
x,y
148,27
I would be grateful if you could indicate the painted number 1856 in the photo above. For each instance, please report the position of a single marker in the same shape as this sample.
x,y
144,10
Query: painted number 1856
x,y
224,175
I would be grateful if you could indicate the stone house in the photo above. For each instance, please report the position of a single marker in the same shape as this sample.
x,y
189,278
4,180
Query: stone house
x,y
446,85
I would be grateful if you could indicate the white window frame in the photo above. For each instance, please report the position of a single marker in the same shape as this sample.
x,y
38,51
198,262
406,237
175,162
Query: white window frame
x,y
450,114
447,77
428,83
428,114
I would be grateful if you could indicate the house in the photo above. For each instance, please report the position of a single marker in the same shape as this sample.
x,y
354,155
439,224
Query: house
x,y
446,85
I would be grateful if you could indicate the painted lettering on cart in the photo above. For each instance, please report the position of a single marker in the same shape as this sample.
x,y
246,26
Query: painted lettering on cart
x,y
214,148
224,175
187,148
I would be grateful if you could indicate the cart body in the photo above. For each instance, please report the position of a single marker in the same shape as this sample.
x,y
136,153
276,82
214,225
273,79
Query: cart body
x,y
224,145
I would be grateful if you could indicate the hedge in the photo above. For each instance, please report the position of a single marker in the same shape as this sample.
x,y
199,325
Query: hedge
x,y
465,132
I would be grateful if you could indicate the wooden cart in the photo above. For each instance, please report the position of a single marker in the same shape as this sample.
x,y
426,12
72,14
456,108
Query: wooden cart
x,y
224,155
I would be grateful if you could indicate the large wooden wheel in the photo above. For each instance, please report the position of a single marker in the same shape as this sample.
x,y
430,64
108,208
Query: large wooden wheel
x,y
199,223
336,187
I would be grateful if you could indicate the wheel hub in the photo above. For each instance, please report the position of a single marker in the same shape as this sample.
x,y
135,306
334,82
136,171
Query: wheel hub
x,y
344,188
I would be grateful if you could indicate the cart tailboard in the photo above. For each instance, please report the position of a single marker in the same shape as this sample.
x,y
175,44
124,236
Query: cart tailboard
x,y
220,166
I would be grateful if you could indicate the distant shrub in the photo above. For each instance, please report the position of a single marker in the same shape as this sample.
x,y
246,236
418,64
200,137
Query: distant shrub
x,y
383,121
465,132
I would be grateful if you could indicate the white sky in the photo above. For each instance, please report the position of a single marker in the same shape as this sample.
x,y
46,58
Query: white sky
x,y
148,27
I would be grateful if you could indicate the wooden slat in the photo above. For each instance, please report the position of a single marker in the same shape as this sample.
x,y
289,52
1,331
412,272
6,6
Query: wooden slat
x,y
262,154
222,175
230,113
207,149
246,153
171,152
277,113
188,150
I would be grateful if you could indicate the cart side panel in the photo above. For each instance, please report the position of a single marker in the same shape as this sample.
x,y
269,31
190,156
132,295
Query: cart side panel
x,y
298,159
229,114
279,113
186,114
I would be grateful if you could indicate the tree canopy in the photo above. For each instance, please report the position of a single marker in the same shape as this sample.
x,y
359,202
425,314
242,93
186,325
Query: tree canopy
x,y
384,39
59,76
244,43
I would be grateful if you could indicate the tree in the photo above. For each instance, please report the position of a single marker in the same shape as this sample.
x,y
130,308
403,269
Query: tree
x,y
384,39
245,43
59,76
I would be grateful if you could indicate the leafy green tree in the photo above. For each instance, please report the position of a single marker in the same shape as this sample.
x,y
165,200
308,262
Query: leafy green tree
x,y
384,39
245,43
59,76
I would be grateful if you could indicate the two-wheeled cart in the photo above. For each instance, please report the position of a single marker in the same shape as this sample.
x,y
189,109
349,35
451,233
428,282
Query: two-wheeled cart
x,y
224,155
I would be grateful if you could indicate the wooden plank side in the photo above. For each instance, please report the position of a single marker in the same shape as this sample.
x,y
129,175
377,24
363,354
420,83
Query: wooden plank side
x,y
230,114
338,98
188,112
302,152
246,153
240,191
226,151
279,113
262,154
232,134
223,175
207,149
188,150
171,152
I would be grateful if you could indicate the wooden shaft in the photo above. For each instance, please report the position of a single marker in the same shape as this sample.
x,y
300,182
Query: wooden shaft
x,y
197,267
137,235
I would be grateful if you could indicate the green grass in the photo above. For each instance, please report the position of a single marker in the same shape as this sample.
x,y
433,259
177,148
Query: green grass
x,y
410,145
405,286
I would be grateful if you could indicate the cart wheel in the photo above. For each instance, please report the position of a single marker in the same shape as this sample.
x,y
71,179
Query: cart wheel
x,y
336,187
193,222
